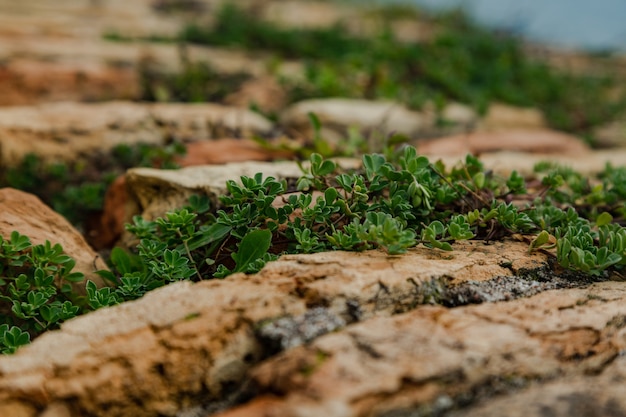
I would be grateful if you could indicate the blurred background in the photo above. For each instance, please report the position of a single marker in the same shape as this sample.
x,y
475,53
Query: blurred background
x,y
90,88
598,25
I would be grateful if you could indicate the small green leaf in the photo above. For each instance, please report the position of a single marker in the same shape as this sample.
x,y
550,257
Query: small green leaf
x,y
19,242
444,246
372,164
327,168
330,195
199,203
74,277
214,234
315,121
316,159
479,180
604,219
121,260
107,275
540,240
15,338
252,247
437,227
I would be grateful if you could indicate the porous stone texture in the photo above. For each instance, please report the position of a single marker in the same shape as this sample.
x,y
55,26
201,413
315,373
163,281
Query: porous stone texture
x,y
544,142
342,113
228,150
68,131
432,360
504,162
120,204
611,135
158,191
329,334
54,54
502,116
591,395
26,214
189,345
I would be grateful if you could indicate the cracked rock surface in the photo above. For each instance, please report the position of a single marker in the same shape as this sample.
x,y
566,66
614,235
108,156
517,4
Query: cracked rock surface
x,y
189,346
433,360
485,330
27,214
65,131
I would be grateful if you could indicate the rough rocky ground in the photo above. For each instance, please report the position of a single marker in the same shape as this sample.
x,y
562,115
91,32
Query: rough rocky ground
x,y
486,330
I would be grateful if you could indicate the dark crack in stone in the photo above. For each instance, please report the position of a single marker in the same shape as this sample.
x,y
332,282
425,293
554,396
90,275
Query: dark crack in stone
x,y
288,332
505,288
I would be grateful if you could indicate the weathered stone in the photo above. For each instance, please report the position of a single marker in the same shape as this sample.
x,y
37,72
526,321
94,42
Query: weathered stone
x,y
118,209
95,70
52,54
591,395
586,162
309,14
289,332
460,114
208,120
502,116
610,135
56,410
90,19
159,191
120,205
64,131
26,214
17,409
188,344
433,359
341,113
27,81
545,142
67,131
264,92
223,151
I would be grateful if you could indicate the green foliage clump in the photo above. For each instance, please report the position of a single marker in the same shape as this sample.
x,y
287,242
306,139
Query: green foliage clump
x,y
35,290
237,27
389,204
463,62
77,189
197,82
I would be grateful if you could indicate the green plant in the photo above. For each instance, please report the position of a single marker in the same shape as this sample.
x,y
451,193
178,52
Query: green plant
x,y
145,155
76,189
35,287
462,62
387,205
197,82
390,204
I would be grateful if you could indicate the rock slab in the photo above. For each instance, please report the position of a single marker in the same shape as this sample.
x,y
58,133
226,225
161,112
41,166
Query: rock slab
x,y
68,131
189,345
434,360
29,216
